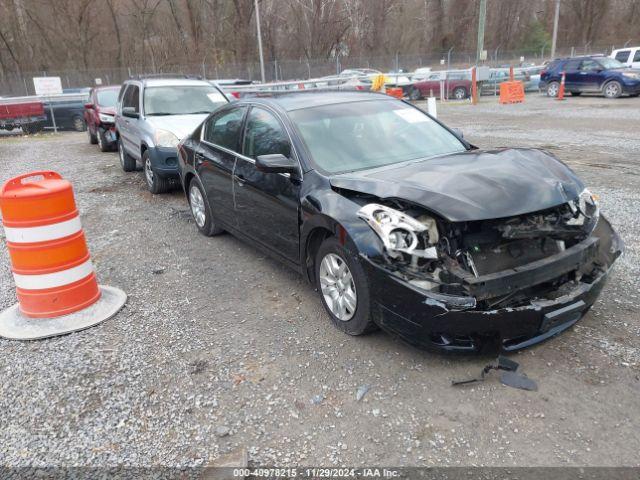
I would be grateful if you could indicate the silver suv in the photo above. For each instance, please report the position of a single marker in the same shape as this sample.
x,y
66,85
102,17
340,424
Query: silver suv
x,y
152,116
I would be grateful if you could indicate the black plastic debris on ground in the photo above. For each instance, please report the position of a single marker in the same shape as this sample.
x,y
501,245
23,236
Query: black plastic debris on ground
x,y
509,377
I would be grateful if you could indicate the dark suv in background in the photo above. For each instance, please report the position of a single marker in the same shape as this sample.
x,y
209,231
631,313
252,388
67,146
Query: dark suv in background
x,y
593,74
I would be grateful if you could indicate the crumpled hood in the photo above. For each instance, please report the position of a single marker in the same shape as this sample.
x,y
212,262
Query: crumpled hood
x,y
473,185
179,125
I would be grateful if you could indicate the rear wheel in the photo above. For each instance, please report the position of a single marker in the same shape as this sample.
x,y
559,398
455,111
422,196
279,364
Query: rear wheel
x,y
460,93
552,89
155,183
343,287
201,210
126,161
612,89
78,124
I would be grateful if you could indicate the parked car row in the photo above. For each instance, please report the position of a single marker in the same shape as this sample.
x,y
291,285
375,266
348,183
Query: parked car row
x,y
396,219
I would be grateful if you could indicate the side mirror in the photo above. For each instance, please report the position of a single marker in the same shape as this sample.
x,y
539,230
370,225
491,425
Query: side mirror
x,y
458,132
276,163
88,106
130,112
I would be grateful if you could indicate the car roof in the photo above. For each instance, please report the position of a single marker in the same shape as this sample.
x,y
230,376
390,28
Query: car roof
x,y
171,82
290,101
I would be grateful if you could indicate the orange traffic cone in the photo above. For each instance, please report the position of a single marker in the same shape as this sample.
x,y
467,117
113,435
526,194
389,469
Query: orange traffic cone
x,y
561,89
56,285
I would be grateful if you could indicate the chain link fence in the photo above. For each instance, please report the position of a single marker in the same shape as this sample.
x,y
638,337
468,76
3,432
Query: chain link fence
x,y
21,83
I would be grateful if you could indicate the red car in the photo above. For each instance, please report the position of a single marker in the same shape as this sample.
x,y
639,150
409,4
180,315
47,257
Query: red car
x,y
457,86
99,113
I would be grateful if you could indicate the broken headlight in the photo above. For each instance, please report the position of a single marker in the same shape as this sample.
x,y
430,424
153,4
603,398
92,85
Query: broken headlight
x,y
401,233
585,209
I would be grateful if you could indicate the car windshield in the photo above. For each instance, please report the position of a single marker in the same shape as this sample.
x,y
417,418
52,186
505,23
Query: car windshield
x,y
181,100
361,135
107,98
608,63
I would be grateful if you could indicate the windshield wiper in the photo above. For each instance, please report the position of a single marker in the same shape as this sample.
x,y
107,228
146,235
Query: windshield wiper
x,y
197,113
154,114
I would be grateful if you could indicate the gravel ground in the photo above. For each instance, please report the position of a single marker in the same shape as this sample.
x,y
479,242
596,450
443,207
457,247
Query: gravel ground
x,y
221,350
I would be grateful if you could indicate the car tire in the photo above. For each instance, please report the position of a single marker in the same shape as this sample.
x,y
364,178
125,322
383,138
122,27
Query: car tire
x,y
358,321
575,94
93,139
552,89
127,162
612,89
155,183
415,94
459,93
78,123
102,141
201,210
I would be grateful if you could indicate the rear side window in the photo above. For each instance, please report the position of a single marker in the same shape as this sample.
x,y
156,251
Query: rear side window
x,y
572,65
589,65
265,135
132,98
623,55
223,129
636,56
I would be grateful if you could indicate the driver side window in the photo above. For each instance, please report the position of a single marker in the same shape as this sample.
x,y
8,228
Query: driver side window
x,y
224,129
265,135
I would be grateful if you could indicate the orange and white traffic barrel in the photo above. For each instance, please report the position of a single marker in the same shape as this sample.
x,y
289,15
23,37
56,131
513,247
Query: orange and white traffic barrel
x,y
56,284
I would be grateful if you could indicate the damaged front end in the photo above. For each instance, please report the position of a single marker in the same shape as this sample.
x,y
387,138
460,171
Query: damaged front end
x,y
515,280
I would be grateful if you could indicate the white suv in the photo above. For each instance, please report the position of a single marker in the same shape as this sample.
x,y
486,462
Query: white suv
x,y
152,116
629,56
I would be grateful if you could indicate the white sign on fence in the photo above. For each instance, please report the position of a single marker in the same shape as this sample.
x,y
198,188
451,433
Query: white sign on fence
x,y
47,85
98,81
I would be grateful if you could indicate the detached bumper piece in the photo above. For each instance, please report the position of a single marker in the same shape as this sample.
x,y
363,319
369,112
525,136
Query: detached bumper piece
x,y
164,161
510,375
560,289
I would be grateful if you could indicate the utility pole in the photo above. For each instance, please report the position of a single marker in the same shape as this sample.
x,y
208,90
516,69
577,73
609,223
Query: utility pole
x,y
555,30
481,21
259,41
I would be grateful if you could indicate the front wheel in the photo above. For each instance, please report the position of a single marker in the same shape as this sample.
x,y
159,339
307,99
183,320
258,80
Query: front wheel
x,y
201,210
102,140
460,93
552,89
344,289
127,162
155,183
613,89
92,136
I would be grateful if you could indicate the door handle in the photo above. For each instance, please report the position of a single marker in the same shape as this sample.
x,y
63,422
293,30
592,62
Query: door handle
x,y
199,158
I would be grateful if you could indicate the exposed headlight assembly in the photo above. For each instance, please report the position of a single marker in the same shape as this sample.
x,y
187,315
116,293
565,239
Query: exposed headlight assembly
x,y
165,138
401,233
587,205
633,75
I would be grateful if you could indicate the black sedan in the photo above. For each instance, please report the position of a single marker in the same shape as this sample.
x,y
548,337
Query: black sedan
x,y
399,222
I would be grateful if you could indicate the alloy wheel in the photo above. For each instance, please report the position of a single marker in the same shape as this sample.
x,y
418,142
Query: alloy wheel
x,y
338,287
197,206
148,171
552,89
612,90
121,153
459,94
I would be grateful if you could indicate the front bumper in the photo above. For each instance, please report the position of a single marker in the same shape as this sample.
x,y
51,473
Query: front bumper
x,y
631,87
442,322
164,161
